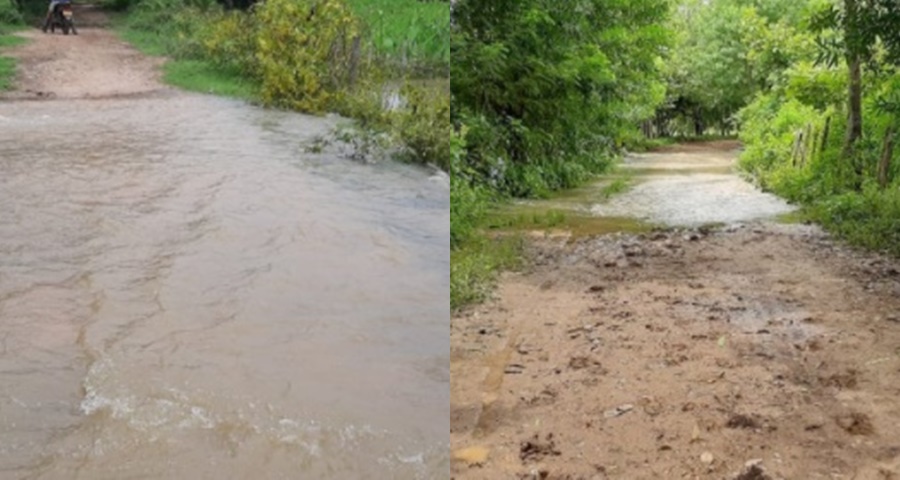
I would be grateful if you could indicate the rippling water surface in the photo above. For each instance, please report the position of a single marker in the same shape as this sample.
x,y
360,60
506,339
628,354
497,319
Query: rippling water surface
x,y
186,293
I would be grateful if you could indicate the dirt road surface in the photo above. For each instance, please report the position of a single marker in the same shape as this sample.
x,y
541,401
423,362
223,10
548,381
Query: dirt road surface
x,y
93,64
760,351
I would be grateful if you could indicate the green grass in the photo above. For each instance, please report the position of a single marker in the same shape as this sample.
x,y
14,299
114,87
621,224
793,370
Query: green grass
x,y
203,76
148,43
410,31
8,65
616,187
869,219
10,40
193,75
7,72
513,219
475,265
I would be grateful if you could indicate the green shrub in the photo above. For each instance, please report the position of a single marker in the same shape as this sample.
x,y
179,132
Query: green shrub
x,y
230,41
7,71
423,126
468,201
474,268
9,14
870,218
307,52
171,27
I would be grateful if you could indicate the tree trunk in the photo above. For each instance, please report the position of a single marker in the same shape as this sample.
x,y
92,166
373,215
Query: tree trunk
x,y
854,101
854,120
887,151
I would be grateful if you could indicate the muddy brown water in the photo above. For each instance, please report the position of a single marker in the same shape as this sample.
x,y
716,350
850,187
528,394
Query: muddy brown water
x,y
694,187
185,292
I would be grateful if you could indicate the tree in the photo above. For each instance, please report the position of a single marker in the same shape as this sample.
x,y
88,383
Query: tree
x,y
856,30
726,51
558,82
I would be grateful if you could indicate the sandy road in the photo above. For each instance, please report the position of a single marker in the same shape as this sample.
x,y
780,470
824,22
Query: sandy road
x,y
683,354
93,64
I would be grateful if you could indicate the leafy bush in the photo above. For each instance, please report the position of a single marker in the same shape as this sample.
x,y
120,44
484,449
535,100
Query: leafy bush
x,y
423,126
9,14
307,52
870,218
474,268
837,187
230,42
468,202
172,27
553,90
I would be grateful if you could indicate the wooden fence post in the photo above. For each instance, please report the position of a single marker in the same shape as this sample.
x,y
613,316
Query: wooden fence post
x,y
887,151
825,134
806,143
795,150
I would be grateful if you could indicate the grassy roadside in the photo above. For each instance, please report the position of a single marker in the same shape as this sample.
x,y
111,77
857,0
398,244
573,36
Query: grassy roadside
x,y
412,35
476,264
8,65
195,75
341,56
488,237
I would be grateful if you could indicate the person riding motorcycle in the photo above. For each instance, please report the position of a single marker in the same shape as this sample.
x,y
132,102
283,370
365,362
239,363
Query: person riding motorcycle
x,y
53,4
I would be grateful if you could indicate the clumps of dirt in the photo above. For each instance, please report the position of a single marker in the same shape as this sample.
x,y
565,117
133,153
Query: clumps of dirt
x,y
856,423
535,449
546,475
752,471
742,421
581,362
843,380
743,343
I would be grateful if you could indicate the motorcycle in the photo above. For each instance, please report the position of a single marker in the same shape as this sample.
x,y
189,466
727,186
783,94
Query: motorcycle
x,y
62,17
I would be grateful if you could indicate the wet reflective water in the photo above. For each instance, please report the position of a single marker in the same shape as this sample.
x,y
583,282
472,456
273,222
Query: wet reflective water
x,y
694,186
186,293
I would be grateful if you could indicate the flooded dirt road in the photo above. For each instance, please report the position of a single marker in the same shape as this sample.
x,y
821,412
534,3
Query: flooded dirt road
x,y
185,292
752,350
679,185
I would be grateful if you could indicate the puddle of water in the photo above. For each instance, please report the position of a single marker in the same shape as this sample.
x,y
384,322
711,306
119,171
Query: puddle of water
x,y
186,293
678,189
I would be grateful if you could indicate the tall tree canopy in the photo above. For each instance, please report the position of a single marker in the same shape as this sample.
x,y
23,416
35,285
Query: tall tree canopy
x,y
559,83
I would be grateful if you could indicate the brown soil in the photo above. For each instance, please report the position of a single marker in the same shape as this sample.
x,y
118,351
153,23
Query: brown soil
x,y
710,146
760,352
93,64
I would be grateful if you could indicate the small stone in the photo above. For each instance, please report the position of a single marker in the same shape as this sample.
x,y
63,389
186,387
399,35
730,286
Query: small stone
x,y
472,455
618,411
706,458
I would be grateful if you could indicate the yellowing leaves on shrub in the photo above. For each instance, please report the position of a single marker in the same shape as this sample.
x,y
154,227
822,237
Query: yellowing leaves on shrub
x,y
230,41
306,51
